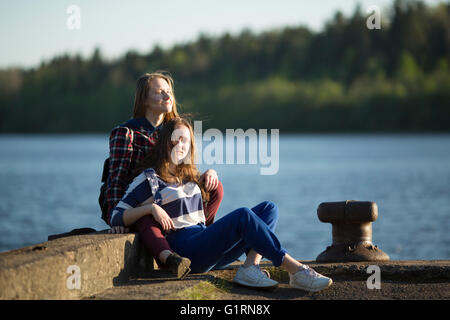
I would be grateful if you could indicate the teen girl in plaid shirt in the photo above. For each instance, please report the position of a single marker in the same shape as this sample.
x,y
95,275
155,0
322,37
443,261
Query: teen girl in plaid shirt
x,y
129,143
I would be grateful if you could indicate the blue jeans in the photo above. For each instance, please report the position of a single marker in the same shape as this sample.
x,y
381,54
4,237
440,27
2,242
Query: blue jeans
x,y
228,238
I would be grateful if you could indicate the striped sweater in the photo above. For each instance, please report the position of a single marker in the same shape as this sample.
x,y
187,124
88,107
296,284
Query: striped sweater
x,y
183,203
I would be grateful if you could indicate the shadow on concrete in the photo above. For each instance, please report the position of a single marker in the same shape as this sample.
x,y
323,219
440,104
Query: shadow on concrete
x,y
137,263
129,265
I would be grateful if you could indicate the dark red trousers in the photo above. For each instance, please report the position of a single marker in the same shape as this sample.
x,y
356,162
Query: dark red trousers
x,y
150,232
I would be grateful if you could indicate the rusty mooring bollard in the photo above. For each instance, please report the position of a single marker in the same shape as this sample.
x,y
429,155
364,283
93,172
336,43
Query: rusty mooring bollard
x,y
352,231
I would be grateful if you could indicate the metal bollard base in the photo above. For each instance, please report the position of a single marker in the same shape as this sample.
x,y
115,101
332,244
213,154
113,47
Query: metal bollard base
x,y
364,251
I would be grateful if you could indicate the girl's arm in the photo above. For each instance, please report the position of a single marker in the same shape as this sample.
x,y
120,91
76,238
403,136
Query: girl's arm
x,y
137,203
120,155
134,204
132,215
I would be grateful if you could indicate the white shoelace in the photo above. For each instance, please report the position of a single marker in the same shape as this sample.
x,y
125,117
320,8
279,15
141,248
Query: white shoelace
x,y
256,270
310,271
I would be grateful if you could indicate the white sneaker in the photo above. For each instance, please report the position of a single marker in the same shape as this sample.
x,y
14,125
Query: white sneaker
x,y
253,277
308,279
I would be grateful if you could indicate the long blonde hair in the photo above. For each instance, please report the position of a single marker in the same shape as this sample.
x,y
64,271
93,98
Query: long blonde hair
x,y
141,95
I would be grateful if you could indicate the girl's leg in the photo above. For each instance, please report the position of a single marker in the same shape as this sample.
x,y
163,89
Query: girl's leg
x,y
152,237
301,276
227,239
290,264
154,241
268,212
213,204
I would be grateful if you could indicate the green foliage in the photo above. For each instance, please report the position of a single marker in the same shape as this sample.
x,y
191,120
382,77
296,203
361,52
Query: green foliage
x,y
344,78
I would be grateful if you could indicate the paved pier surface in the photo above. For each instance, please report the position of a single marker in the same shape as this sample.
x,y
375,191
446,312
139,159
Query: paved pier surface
x,y
403,280
100,266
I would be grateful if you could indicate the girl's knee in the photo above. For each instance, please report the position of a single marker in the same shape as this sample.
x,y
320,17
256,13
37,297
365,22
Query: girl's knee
x,y
270,205
242,215
244,211
269,213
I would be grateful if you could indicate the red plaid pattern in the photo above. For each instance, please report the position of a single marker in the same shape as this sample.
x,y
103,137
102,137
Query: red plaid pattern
x,y
128,147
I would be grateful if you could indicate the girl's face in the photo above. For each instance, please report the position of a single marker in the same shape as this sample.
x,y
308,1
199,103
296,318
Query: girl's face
x,y
181,142
160,96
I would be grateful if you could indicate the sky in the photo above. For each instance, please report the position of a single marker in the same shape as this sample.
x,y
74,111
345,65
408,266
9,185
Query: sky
x,y
32,31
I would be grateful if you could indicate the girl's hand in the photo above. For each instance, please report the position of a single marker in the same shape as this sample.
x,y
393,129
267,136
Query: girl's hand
x,y
162,218
210,180
119,229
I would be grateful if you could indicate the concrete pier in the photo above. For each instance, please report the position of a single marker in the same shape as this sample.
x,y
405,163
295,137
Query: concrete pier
x,y
93,262
116,266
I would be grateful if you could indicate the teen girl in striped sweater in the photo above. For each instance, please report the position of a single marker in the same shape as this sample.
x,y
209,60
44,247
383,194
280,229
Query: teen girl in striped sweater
x,y
169,189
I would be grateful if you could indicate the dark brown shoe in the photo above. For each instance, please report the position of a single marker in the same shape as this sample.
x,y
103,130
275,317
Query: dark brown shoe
x,y
179,266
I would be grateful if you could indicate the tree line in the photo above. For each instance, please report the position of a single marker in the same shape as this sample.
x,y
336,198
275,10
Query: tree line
x,y
344,78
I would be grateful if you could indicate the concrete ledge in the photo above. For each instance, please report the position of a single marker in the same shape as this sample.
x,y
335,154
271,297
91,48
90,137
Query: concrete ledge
x,y
409,270
52,269
117,266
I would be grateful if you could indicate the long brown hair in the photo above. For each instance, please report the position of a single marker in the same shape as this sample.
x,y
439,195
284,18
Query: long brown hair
x,y
159,157
141,94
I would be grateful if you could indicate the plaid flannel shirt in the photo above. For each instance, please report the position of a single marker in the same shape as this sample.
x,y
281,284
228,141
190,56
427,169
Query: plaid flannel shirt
x,y
129,143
